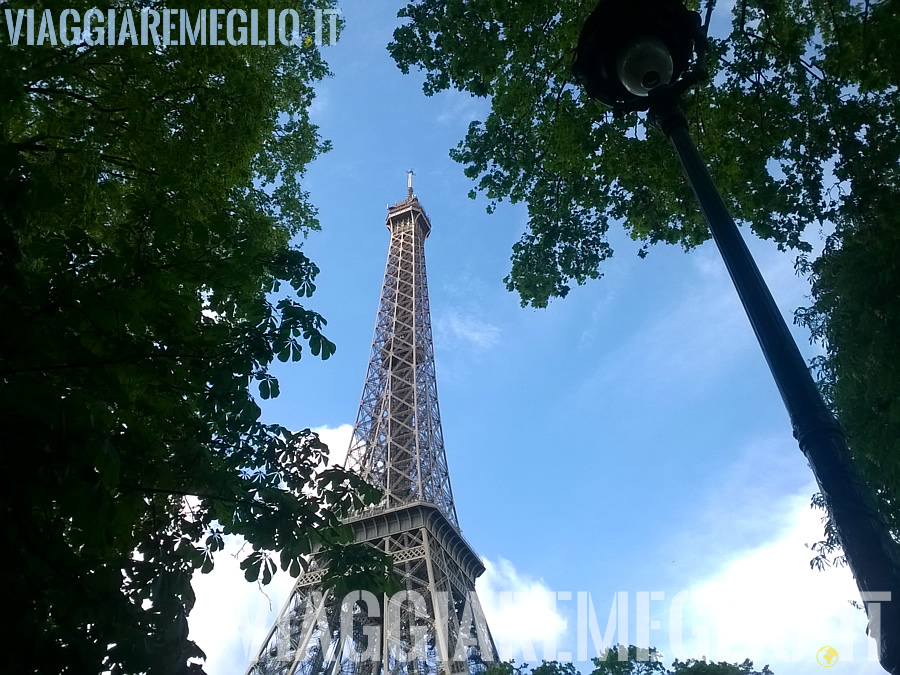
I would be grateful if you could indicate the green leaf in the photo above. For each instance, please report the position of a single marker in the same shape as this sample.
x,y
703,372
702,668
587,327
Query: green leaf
x,y
265,389
328,348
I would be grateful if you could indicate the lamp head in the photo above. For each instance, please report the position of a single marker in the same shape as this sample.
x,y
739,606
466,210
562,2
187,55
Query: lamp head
x,y
628,48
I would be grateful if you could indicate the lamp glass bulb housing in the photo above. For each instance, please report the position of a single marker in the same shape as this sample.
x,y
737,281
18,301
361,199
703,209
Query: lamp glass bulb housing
x,y
644,64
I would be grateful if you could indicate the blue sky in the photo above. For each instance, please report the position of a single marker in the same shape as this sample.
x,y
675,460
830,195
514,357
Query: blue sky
x,y
626,439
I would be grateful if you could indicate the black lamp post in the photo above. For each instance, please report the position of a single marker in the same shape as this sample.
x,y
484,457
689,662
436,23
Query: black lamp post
x,y
642,55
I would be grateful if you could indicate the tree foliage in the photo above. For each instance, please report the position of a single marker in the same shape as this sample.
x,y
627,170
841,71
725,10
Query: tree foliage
x,y
636,661
798,122
147,282
856,295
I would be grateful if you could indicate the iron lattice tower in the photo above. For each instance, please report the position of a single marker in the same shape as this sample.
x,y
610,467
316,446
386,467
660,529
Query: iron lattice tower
x,y
436,624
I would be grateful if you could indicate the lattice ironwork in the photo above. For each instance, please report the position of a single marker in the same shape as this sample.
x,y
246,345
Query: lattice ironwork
x,y
436,625
397,441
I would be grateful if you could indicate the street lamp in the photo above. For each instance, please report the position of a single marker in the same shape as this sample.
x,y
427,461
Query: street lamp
x,y
641,55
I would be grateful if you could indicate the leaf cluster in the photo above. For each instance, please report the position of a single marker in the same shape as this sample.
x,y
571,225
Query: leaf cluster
x,y
633,661
149,197
855,315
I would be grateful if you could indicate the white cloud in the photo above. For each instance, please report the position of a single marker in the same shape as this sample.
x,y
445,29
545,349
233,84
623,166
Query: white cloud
x,y
520,610
747,503
338,442
705,326
776,267
460,108
767,604
232,616
703,333
455,325
738,564
320,107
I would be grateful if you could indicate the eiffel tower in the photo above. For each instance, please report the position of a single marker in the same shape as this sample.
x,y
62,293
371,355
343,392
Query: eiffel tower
x,y
435,625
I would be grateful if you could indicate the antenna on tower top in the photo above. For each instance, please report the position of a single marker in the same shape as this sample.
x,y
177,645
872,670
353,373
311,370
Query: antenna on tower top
x,y
409,190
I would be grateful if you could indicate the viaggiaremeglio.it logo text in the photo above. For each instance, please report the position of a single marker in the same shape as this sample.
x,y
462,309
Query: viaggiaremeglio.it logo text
x,y
162,27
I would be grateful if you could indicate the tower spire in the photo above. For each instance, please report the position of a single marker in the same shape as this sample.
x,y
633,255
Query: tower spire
x,y
409,190
437,627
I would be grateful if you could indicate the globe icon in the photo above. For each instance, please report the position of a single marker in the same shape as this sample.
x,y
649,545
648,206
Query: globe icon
x,y
827,656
